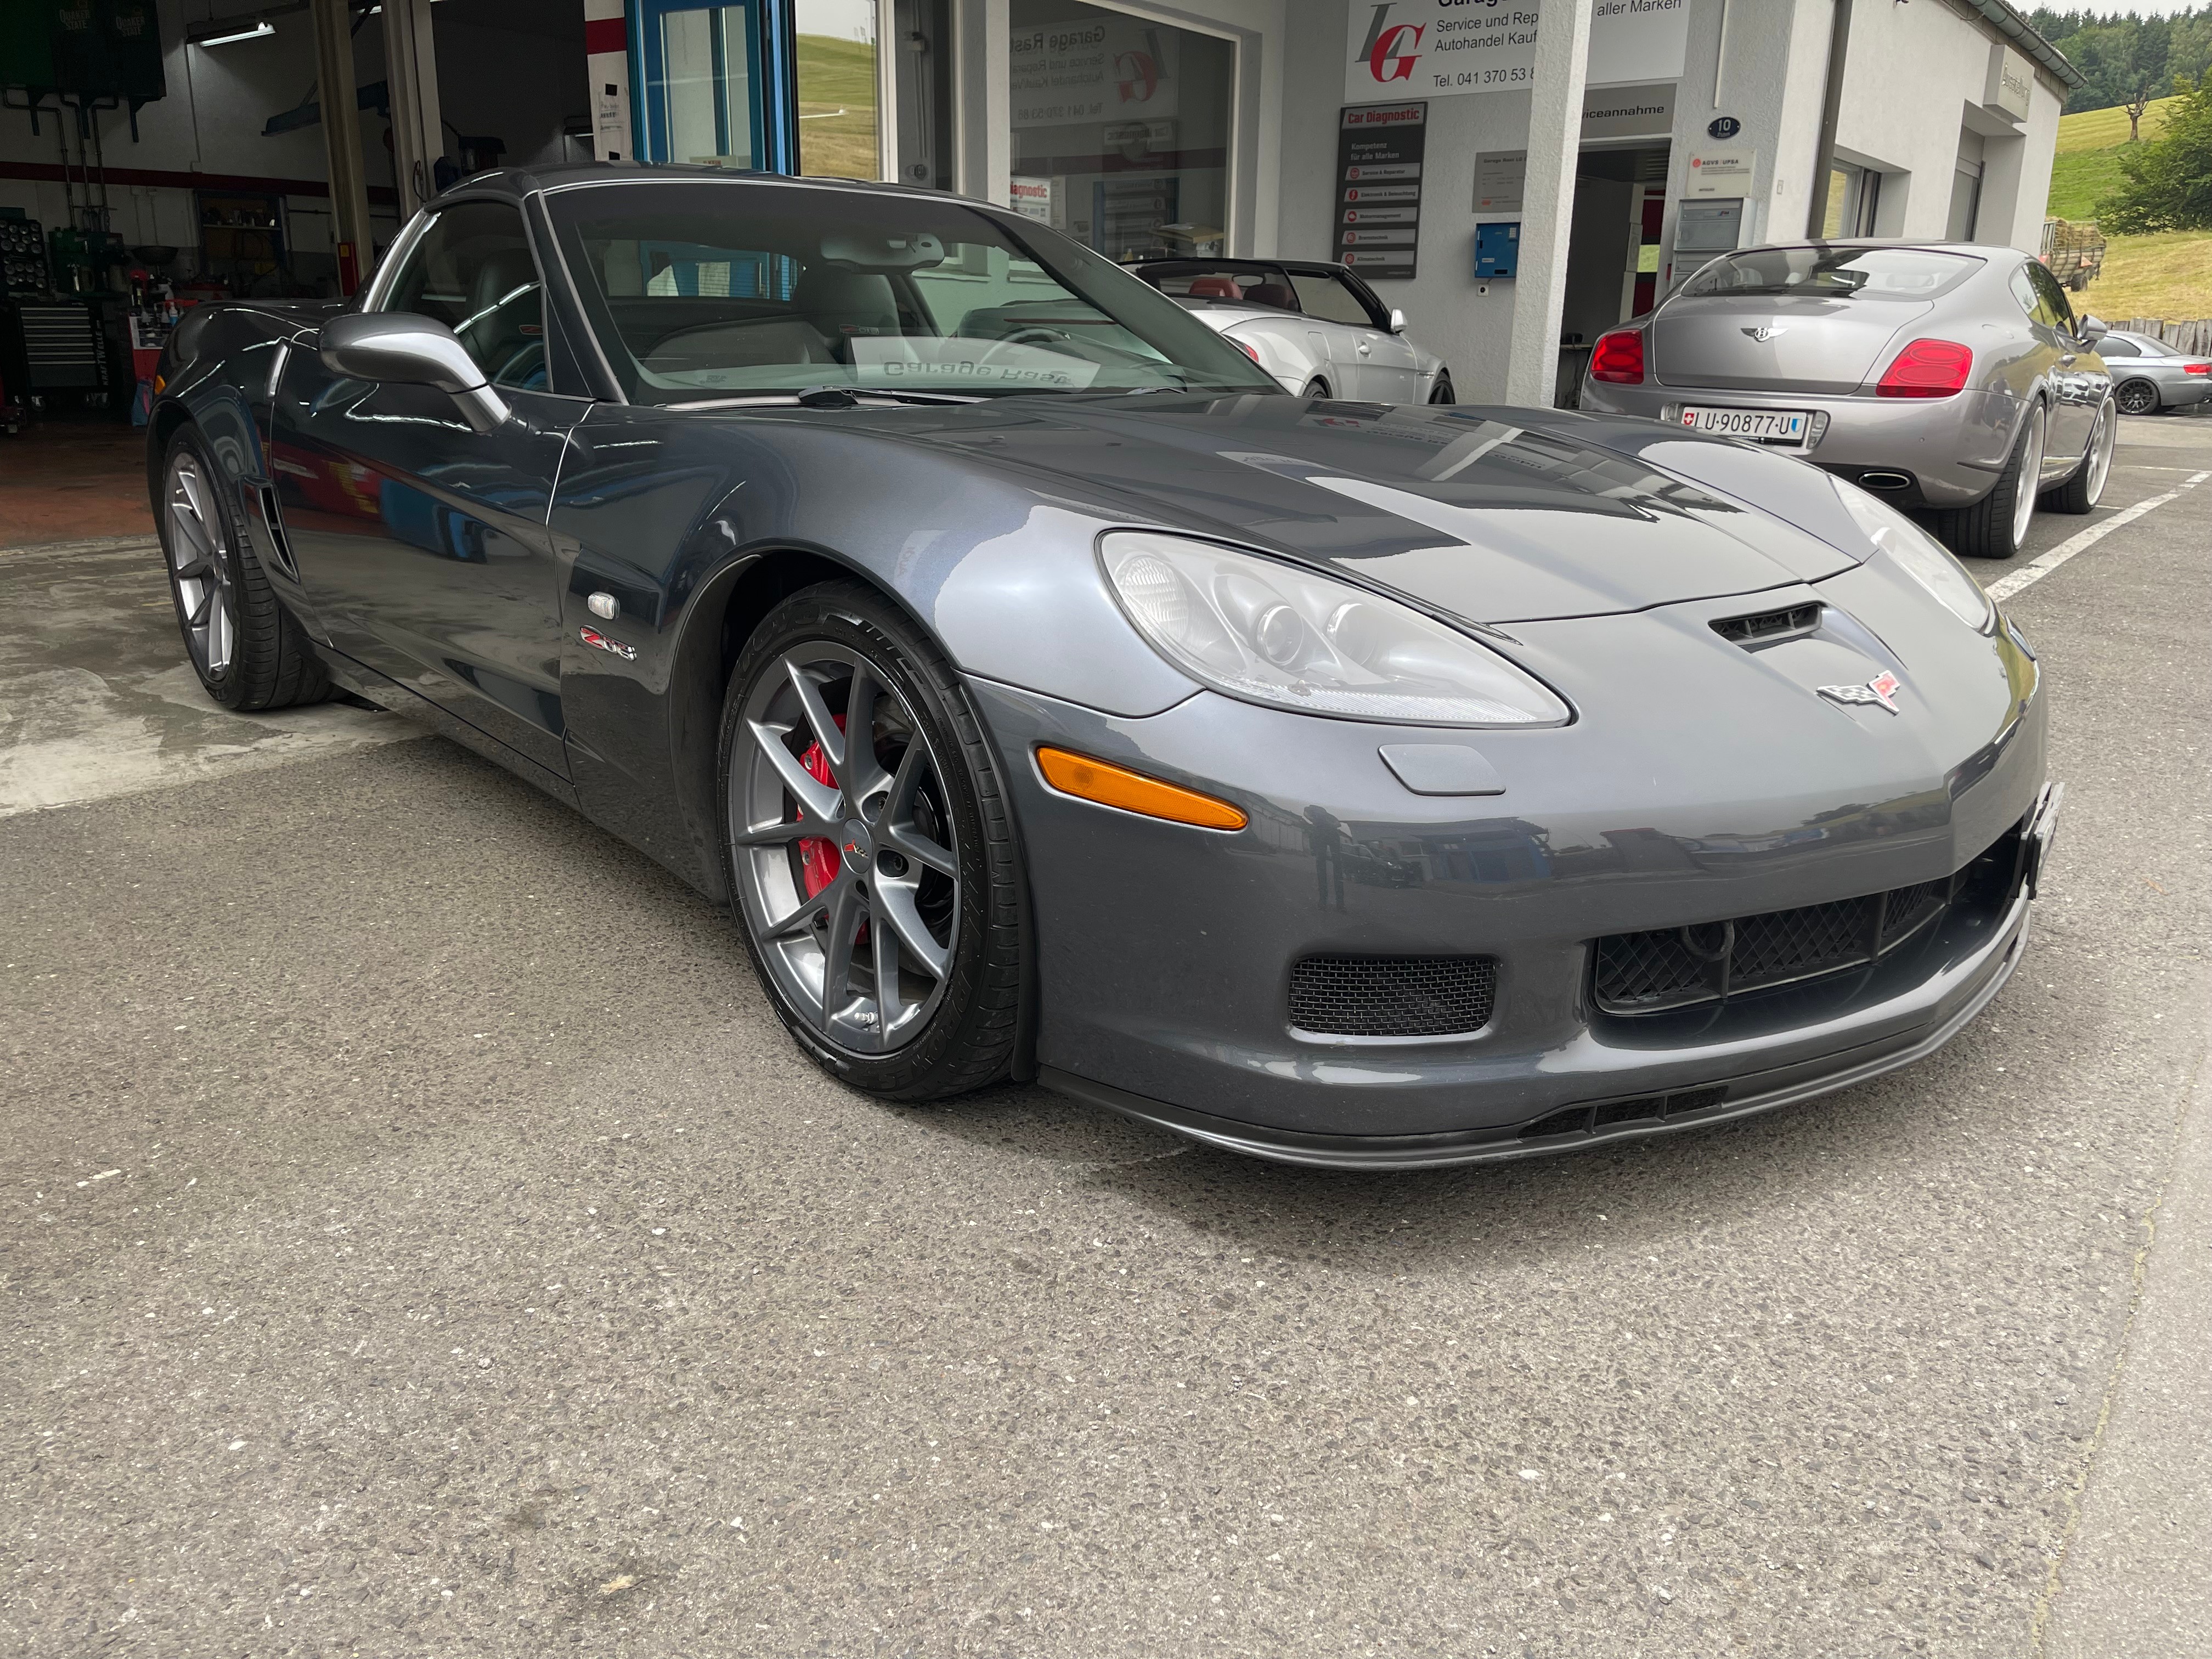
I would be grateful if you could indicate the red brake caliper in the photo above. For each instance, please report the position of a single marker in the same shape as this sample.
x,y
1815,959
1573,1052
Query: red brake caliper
x,y
818,862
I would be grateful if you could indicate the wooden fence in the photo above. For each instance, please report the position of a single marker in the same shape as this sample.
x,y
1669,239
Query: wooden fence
x,y
2192,336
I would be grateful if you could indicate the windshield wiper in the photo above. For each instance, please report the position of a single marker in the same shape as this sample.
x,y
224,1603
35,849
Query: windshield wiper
x,y
827,396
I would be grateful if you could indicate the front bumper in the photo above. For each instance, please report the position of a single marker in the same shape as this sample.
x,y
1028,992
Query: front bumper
x,y
1695,1097
1165,953
1951,449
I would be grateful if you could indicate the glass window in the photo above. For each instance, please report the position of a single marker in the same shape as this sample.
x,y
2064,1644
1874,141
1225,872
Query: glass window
x,y
1120,128
707,289
472,272
1329,299
2024,291
705,88
2144,346
836,51
2114,345
2055,308
1867,273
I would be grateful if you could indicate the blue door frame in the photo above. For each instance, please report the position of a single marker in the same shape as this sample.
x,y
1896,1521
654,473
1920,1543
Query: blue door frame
x,y
772,73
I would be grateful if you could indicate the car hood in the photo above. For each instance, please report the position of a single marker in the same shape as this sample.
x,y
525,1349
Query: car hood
x,y
1495,515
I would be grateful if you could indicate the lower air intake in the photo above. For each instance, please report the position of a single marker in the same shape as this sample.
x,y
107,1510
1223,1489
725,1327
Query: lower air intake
x,y
1392,996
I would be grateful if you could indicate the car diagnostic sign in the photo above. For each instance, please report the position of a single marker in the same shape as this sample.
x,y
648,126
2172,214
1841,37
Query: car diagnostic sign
x,y
1377,187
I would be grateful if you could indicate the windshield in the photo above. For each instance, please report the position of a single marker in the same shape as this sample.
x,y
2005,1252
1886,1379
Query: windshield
x,y
1833,273
710,290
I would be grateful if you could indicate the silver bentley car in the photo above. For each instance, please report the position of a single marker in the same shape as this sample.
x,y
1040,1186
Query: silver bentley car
x,y
1319,330
1950,379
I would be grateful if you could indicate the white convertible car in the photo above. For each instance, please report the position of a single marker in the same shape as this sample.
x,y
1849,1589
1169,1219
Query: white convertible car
x,y
1316,328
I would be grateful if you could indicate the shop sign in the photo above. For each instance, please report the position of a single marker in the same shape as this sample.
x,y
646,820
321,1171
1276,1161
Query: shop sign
x,y
2012,82
1376,190
1643,111
1432,48
1044,200
1106,67
1721,170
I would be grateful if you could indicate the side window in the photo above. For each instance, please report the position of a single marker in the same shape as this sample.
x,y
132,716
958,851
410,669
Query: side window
x,y
2023,289
1327,297
2113,346
472,272
2060,315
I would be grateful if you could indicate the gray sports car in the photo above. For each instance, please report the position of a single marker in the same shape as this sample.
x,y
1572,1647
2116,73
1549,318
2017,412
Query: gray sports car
x,y
2150,376
1950,379
1049,694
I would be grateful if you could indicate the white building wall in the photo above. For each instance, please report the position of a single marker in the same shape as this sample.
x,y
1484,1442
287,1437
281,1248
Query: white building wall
x,y
1915,77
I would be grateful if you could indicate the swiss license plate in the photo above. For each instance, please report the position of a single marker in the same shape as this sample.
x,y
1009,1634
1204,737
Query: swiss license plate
x,y
1765,426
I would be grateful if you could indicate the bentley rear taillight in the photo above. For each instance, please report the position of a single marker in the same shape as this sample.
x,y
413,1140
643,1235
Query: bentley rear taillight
x,y
1928,369
1617,358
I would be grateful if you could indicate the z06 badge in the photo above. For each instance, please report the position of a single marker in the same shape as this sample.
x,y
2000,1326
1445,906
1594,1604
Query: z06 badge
x,y
599,641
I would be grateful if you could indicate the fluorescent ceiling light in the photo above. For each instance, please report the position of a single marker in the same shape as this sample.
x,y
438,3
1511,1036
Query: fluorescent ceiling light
x,y
264,27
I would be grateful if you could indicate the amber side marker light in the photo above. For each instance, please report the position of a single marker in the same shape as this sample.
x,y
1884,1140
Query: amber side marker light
x,y
1133,791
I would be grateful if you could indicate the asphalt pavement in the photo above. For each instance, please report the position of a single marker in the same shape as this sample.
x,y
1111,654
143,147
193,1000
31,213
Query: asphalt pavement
x,y
417,1237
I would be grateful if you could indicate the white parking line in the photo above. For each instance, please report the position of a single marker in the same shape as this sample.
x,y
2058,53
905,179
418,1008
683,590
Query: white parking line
x,y
2028,574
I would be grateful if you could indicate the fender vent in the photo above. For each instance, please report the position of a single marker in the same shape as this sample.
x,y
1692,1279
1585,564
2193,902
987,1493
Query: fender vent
x,y
1392,996
1768,626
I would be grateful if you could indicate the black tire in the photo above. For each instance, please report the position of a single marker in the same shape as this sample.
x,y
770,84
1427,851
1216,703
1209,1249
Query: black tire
x,y
967,1038
1992,528
2136,398
2079,492
1443,392
1317,387
265,660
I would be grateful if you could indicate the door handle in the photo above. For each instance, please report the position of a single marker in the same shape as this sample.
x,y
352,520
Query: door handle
x,y
1367,350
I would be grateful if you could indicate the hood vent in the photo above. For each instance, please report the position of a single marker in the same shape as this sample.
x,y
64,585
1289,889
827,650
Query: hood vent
x,y
1769,626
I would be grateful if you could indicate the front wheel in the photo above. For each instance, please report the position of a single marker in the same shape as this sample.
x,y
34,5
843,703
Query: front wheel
x,y
2136,398
1995,527
243,644
1443,393
871,859
2079,492
1316,387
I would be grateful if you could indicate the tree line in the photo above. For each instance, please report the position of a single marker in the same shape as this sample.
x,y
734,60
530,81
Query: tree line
x,y
2129,60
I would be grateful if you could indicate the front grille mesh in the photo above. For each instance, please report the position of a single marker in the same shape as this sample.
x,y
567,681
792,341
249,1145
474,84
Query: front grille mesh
x,y
1648,972
1392,996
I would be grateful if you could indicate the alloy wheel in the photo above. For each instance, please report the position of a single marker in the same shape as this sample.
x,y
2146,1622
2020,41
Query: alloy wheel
x,y
2102,438
2031,477
847,858
2137,398
198,569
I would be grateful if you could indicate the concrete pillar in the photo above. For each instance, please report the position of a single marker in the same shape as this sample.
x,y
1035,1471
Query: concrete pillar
x,y
1555,128
354,243
982,130
410,68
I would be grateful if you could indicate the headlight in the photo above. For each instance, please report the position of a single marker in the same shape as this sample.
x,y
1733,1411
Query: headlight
x,y
1273,634
1922,557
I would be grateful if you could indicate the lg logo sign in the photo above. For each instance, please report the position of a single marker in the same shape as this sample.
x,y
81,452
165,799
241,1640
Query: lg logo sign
x,y
1391,50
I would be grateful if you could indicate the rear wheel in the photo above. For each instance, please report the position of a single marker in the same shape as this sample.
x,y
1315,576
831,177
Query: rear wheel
x,y
871,856
248,652
2079,492
2136,398
1995,527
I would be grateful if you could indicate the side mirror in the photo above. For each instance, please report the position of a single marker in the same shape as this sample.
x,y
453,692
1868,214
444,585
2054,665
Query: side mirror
x,y
407,350
2092,329
1397,320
